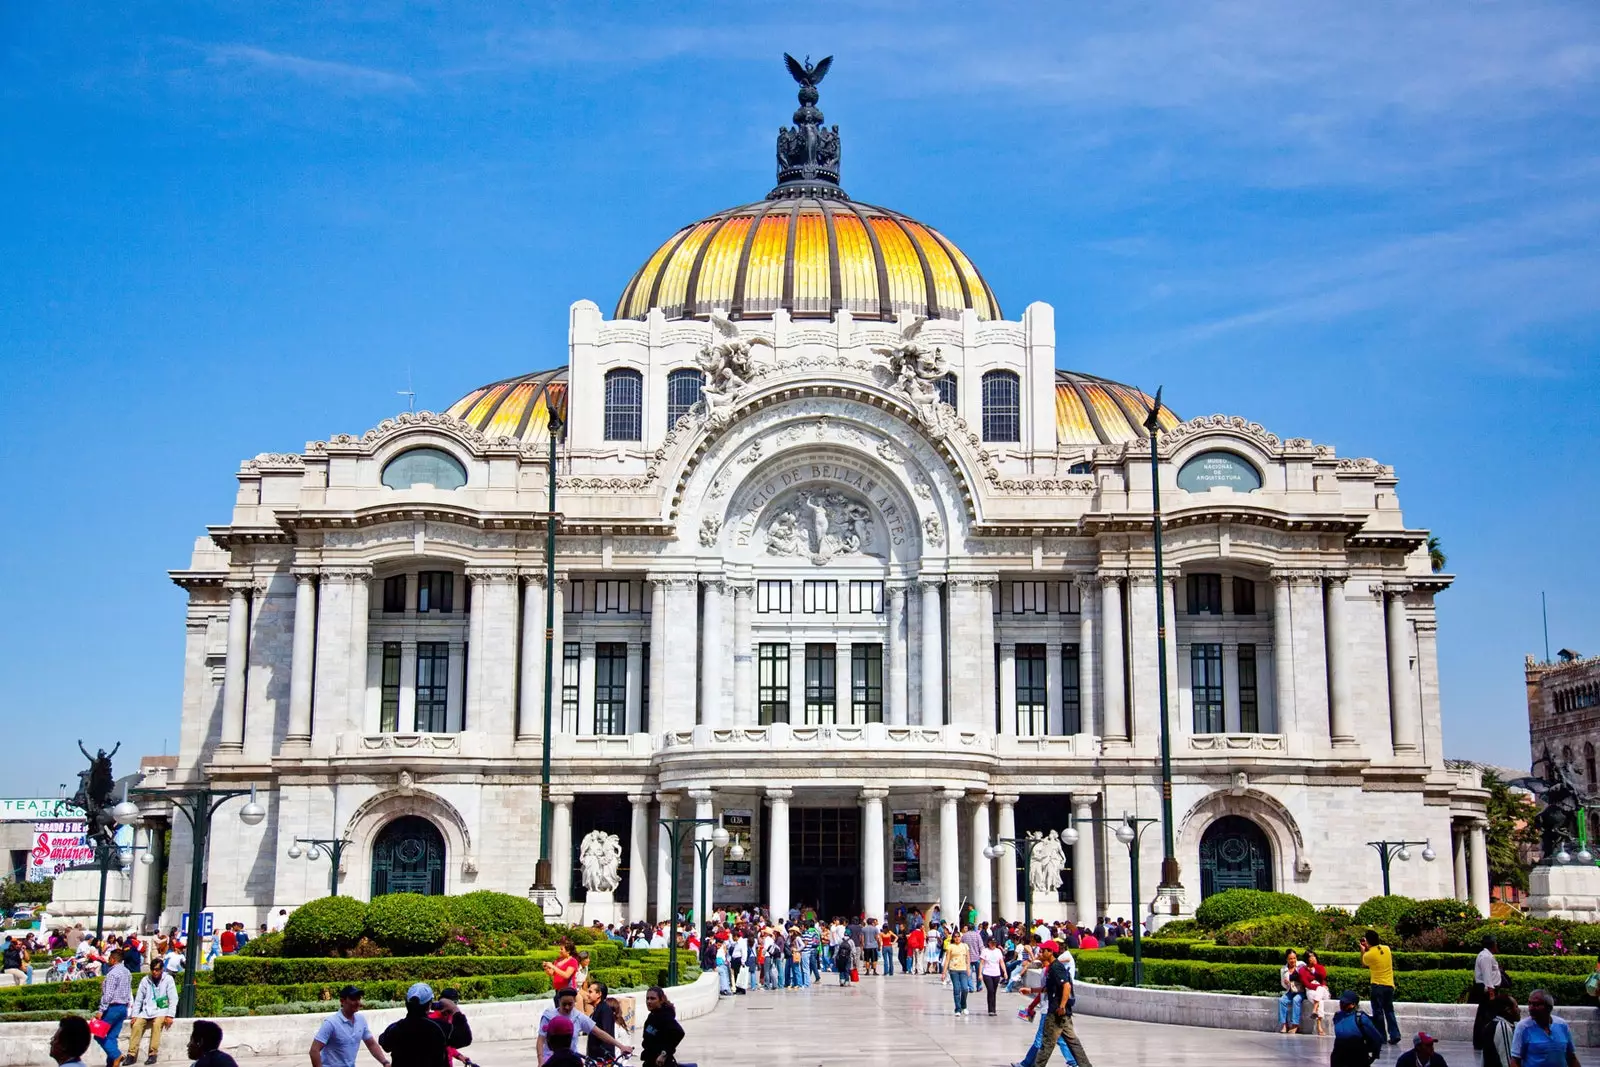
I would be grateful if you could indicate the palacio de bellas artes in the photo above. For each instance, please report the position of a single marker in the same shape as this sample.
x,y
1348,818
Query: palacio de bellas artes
x,y
842,560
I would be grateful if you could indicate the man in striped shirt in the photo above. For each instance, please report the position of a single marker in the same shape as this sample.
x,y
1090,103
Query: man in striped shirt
x,y
974,942
116,992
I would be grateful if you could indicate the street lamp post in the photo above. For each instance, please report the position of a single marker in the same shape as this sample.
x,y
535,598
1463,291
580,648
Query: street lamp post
x,y
1023,847
1171,881
107,853
335,847
544,889
1129,829
198,805
1398,850
674,829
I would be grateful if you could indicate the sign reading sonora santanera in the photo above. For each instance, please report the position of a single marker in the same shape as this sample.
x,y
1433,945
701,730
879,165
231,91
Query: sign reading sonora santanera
x,y
1209,470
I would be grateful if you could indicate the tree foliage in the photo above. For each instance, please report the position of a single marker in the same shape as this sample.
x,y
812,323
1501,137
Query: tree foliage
x,y
1510,830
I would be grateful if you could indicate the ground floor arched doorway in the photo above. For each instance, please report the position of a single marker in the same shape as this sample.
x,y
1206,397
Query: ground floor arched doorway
x,y
408,857
1234,854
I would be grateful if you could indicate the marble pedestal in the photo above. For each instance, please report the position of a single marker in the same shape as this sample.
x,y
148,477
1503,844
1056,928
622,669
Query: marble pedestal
x,y
1048,909
1168,905
1565,891
599,908
75,898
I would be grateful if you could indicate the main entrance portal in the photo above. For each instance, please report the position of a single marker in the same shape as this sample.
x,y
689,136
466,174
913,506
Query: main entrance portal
x,y
825,859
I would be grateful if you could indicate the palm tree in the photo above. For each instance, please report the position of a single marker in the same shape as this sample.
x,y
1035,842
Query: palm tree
x,y
1436,557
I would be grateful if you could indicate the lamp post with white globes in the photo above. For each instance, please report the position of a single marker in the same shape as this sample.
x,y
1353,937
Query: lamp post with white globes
x,y
335,847
1399,850
717,838
126,813
198,804
1023,847
1129,828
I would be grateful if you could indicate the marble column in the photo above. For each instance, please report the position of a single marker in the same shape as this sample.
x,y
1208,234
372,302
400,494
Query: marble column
x,y
713,649
676,682
1088,627
1478,868
950,853
655,715
561,851
233,671
638,863
778,850
702,810
1085,883
303,652
1009,907
894,655
558,652
984,592
874,889
665,860
472,706
1341,702
635,681
744,656
1113,677
1402,691
1282,655
530,695
1458,851
1008,688
982,866
932,655
360,589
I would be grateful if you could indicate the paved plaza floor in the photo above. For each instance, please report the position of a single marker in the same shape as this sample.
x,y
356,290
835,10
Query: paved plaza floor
x,y
886,1022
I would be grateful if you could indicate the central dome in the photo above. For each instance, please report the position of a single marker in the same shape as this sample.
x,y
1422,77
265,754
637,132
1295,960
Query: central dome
x,y
812,256
808,248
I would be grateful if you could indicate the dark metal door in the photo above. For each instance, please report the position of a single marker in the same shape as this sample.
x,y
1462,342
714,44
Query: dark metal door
x,y
408,858
1234,854
825,860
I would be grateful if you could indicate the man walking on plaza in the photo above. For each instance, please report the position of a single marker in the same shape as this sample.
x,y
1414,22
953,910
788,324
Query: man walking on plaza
x,y
342,1034
1379,962
1059,978
1543,1039
116,992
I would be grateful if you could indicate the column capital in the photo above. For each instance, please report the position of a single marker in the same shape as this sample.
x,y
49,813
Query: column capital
x,y
561,796
981,796
346,573
532,575
240,586
491,573
952,793
777,793
305,572
874,793
1302,575
740,590
895,592
1398,589
668,799
1084,800
1006,800
1105,578
674,581
640,800
701,796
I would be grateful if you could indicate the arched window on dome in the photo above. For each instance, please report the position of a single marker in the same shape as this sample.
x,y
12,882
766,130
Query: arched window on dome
x,y
1002,406
624,405
683,393
947,389
425,466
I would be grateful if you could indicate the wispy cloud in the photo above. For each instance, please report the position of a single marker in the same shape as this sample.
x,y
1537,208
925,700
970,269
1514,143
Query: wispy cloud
x,y
348,77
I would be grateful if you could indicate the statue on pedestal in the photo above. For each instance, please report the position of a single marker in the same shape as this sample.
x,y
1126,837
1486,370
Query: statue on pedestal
x,y
600,857
1561,791
1045,865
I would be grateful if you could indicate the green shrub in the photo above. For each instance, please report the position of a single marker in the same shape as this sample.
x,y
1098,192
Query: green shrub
x,y
487,912
267,945
1235,905
1435,913
1179,929
1277,930
603,954
1334,918
1384,911
238,971
578,935
324,926
407,924
617,978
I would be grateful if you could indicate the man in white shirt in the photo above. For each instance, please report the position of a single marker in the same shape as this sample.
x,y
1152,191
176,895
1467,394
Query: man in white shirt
x,y
342,1034
1486,969
564,1004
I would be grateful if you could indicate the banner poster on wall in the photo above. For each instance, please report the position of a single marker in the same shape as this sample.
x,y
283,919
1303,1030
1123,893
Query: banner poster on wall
x,y
738,823
908,846
57,845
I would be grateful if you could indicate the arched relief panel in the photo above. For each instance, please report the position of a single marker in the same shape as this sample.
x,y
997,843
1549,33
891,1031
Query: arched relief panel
x,y
1290,856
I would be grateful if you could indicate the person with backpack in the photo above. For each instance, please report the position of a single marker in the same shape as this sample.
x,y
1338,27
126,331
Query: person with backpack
x,y
457,1033
1356,1041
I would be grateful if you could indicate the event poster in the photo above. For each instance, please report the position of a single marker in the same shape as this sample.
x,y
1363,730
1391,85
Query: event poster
x,y
736,873
908,846
57,845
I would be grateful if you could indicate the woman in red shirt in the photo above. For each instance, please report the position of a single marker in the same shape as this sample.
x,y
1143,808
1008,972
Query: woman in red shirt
x,y
564,971
1314,980
916,941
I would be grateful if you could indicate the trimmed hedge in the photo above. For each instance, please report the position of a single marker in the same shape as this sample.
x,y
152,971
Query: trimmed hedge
x,y
264,946
324,926
1273,930
1434,913
407,924
1403,961
1384,911
236,971
494,913
617,978
1236,905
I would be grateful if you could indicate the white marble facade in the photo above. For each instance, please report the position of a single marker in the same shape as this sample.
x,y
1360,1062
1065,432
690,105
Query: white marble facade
x,y
970,559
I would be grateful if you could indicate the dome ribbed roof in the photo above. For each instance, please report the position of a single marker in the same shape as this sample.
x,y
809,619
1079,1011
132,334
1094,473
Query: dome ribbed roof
x,y
813,256
515,407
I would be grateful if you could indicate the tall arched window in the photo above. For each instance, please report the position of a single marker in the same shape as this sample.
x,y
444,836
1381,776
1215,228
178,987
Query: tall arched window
x,y
1588,762
1002,406
683,393
624,405
947,389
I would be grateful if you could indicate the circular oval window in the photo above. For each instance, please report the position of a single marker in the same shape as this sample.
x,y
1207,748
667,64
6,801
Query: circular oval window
x,y
425,466
1210,470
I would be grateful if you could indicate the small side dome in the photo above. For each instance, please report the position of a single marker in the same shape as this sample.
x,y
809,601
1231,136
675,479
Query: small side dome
x,y
1098,411
516,407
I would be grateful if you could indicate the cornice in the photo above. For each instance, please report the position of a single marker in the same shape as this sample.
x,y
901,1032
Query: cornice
x,y
1346,523
186,579
229,537
376,515
1403,540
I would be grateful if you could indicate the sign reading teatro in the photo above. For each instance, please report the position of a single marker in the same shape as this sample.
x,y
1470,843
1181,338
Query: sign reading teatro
x,y
32,809
1210,470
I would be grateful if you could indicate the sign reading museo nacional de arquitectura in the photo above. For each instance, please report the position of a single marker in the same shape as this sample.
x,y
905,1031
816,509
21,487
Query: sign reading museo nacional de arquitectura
x,y
844,561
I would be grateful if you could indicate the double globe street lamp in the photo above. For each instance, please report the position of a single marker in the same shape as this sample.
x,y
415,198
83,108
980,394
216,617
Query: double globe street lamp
x,y
1388,851
1023,848
335,847
704,845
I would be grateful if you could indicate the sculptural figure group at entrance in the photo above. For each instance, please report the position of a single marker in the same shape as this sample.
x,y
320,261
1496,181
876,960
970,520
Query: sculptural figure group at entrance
x,y
819,525
1048,860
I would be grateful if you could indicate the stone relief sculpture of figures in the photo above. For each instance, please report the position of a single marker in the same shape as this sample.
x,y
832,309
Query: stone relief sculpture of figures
x,y
600,857
915,370
727,366
1048,861
820,524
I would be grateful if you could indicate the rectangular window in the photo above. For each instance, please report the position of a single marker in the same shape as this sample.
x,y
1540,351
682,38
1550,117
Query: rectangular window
x,y
866,683
822,662
774,596
866,597
1071,691
573,601
820,596
571,662
433,686
1205,668
435,590
644,686
610,687
394,594
389,706
1031,691
1068,599
612,596
772,683
1249,693
1027,598
1205,594
1244,596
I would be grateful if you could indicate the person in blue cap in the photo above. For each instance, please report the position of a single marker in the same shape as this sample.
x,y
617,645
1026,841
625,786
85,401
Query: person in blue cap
x,y
416,1040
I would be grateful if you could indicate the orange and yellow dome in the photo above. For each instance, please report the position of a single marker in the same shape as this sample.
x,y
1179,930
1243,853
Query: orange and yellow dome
x,y
814,256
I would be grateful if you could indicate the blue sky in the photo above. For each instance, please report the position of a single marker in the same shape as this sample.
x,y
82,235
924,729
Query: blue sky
x,y
1372,224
